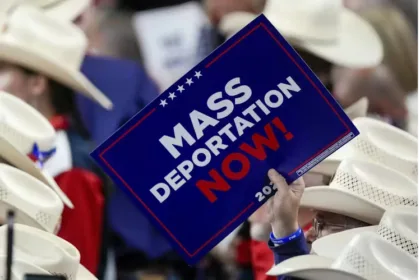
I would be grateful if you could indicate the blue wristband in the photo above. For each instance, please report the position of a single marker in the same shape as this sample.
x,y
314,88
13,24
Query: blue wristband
x,y
283,240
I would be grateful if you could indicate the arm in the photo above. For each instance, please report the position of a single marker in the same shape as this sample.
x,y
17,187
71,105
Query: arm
x,y
283,211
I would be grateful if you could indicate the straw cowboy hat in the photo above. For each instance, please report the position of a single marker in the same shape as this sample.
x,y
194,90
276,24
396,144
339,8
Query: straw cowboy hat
x,y
35,203
322,27
53,47
367,257
378,142
61,9
47,251
358,108
26,136
362,190
398,226
20,268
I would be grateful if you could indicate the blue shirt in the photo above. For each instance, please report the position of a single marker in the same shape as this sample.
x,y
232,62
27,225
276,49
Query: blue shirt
x,y
122,81
130,89
293,248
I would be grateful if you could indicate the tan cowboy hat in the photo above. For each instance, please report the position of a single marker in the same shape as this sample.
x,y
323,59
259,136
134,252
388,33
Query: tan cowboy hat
x,y
358,108
61,9
367,257
35,203
378,142
323,27
47,251
23,132
398,226
53,47
362,190
20,268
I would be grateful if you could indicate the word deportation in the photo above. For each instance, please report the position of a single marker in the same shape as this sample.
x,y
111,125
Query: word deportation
x,y
223,106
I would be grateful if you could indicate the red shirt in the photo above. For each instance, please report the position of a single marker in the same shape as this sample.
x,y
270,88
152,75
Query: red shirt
x,y
82,226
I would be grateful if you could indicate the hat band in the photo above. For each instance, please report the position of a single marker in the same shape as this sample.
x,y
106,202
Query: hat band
x,y
398,240
350,183
355,262
40,157
379,155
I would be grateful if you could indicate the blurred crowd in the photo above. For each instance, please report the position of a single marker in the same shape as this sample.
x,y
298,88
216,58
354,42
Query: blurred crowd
x,y
73,71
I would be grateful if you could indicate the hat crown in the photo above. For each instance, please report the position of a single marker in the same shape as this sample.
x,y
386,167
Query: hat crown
x,y
375,183
43,249
32,198
373,258
23,126
61,41
399,226
387,145
317,19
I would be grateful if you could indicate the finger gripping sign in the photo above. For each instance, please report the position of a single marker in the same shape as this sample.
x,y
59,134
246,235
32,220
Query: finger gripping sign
x,y
195,160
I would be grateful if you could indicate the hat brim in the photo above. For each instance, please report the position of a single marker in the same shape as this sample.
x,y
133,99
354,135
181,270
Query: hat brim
x,y
22,55
325,198
332,245
84,274
311,267
357,44
12,156
67,10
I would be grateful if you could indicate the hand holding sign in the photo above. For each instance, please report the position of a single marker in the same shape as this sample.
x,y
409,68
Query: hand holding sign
x,y
283,207
196,158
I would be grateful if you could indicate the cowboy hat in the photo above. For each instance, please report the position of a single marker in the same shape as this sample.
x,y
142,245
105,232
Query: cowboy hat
x,y
378,142
36,204
367,257
358,108
26,134
322,27
20,268
362,190
398,226
47,251
61,9
53,47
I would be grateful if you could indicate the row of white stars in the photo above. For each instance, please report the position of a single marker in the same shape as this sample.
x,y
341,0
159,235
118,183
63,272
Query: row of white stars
x,y
180,88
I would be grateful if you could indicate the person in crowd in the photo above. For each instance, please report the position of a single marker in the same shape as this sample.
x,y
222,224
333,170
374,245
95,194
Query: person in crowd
x,y
350,207
354,44
112,65
39,63
408,7
386,96
399,41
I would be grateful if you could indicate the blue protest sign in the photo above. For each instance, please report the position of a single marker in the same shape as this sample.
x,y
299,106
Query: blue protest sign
x,y
195,160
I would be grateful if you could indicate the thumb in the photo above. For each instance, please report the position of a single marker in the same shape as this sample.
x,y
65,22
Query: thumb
x,y
277,180
298,186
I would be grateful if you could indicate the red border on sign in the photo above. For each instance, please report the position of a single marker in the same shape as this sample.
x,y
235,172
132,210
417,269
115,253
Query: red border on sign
x,y
101,155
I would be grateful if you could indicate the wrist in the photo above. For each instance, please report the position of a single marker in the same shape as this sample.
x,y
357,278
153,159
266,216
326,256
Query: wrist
x,y
281,229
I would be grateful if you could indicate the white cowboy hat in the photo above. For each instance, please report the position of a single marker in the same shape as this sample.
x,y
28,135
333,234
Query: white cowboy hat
x,y
61,9
322,27
20,268
398,226
362,190
358,108
35,203
367,257
47,251
55,48
378,142
25,132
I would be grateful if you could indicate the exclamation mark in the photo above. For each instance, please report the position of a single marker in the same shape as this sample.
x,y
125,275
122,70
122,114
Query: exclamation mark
x,y
280,125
